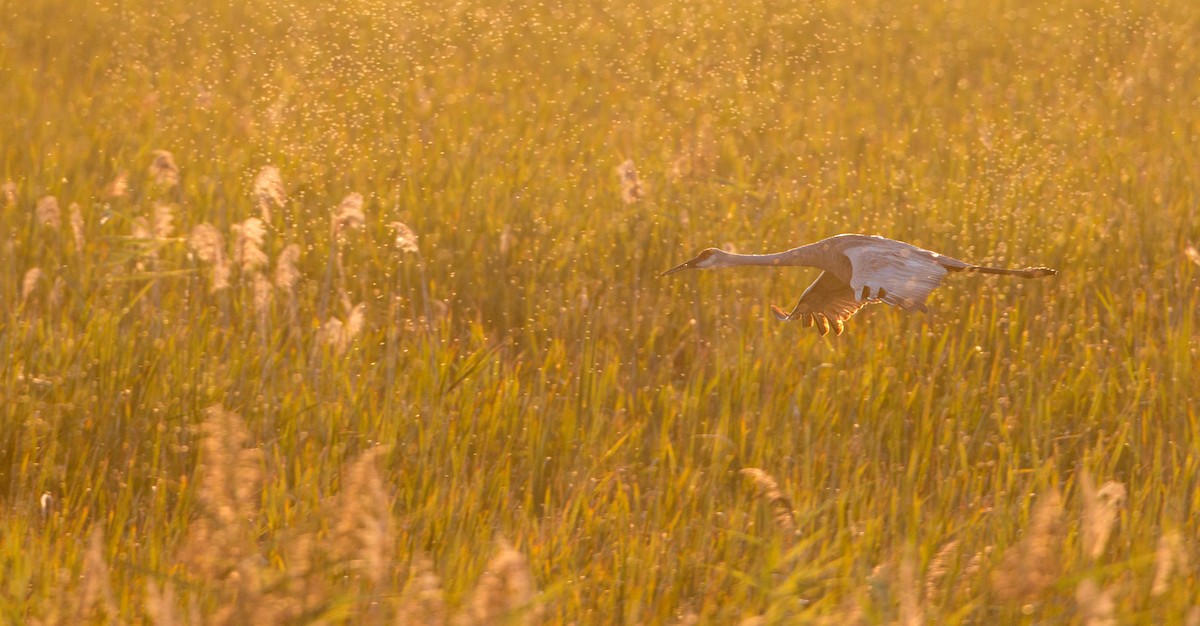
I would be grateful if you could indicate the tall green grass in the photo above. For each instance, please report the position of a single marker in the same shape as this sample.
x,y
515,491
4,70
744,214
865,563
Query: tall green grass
x,y
562,431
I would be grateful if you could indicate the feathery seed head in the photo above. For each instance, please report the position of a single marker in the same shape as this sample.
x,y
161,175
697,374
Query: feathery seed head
x,y
506,592
406,239
1192,254
421,602
1170,557
348,215
1032,565
9,190
30,282
48,213
1095,604
209,246
287,275
119,185
769,490
1101,509
631,186
163,170
163,219
268,190
248,239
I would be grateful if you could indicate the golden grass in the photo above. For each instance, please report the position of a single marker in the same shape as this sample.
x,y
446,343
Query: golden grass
x,y
349,313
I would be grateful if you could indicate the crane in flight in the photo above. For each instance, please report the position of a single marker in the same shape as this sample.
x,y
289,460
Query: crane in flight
x,y
858,270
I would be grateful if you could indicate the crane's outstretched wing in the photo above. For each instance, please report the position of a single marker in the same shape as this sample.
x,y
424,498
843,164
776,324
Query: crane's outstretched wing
x,y
827,303
902,276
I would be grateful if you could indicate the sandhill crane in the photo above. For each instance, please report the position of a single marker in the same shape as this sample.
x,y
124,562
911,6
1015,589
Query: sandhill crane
x,y
858,270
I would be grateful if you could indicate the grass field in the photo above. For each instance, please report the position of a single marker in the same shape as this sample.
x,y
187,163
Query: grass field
x,y
233,391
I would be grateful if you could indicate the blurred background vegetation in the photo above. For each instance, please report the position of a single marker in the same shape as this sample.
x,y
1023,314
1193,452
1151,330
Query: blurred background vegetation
x,y
468,397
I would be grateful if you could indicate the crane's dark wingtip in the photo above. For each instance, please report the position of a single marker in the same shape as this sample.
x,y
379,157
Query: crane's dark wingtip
x,y
780,314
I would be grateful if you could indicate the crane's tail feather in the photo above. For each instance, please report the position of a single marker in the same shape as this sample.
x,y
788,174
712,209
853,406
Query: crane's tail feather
x,y
1027,272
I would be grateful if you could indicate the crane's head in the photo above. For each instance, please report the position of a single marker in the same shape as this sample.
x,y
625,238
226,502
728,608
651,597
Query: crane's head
x,y
707,259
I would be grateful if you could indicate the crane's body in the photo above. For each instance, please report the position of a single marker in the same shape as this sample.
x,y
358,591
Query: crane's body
x,y
858,270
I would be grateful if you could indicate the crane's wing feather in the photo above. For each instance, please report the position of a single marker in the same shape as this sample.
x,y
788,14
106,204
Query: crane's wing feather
x,y
827,303
902,276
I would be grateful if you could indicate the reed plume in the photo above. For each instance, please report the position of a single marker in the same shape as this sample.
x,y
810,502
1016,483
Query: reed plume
x,y
1032,565
505,593
1170,557
941,564
406,239
163,170
268,191
230,476
95,599
911,613
421,601
1096,605
48,213
1101,508
9,191
1192,254
631,186
248,238
162,220
287,275
119,185
362,534
768,489
209,246
348,215
32,277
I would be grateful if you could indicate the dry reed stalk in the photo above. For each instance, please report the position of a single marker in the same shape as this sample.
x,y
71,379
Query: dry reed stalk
x,y
768,489
942,562
268,190
505,593
248,237
48,213
1101,508
422,602
1096,605
348,215
76,218
631,186
209,246
406,239
362,534
1032,565
163,170
1170,557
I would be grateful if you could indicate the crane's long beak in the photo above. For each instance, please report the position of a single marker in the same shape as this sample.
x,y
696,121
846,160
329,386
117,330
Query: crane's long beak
x,y
679,268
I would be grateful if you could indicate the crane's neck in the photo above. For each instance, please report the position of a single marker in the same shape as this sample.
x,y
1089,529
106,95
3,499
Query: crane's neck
x,y
808,255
